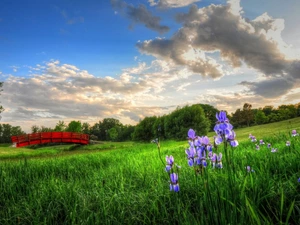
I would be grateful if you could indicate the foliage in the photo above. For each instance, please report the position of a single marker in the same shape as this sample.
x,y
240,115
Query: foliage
x,y
7,130
60,126
180,120
144,130
74,126
210,114
113,134
260,117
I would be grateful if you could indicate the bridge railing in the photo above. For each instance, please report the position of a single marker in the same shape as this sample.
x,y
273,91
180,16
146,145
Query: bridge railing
x,y
49,137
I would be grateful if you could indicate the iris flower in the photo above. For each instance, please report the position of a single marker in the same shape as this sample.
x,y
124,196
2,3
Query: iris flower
x,y
274,150
294,133
174,185
170,162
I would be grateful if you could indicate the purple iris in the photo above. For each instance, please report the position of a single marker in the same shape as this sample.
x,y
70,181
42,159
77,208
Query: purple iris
x,y
224,130
231,139
253,139
249,169
191,153
191,134
288,143
213,160
261,142
203,143
257,147
201,160
219,160
174,185
274,150
269,145
222,127
299,179
170,162
294,133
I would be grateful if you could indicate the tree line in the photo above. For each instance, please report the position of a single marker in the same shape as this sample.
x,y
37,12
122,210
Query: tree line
x,y
201,117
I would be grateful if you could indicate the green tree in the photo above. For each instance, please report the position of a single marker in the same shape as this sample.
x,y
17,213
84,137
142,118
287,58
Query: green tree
x,y
273,117
35,129
45,129
210,114
86,128
248,113
113,134
268,110
237,118
144,129
260,117
6,133
60,126
74,126
101,129
159,127
287,111
125,133
181,120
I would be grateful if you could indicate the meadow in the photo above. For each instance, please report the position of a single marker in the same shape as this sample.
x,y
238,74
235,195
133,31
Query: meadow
x,y
126,183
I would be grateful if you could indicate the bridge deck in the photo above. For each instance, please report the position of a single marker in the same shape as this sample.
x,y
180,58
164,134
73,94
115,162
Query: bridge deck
x,y
50,137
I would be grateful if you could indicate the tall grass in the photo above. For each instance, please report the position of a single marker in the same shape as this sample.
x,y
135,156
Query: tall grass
x,y
130,186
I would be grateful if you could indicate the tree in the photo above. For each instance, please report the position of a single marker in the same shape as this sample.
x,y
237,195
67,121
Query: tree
x,y
237,118
113,134
260,117
210,114
144,129
181,120
159,127
101,129
248,114
86,128
74,126
268,110
7,130
60,126
35,129
125,133
287,111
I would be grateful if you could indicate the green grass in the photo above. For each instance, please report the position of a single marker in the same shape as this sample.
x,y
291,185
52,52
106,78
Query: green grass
x,y
125,183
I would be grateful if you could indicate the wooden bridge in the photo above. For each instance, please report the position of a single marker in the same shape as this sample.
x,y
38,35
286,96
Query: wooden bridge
x,y
50,137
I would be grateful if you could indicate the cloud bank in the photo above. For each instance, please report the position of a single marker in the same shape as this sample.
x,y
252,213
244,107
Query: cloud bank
x,y
140,15
222,29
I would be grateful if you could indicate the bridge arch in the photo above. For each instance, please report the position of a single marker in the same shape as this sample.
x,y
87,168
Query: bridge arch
x,y
49,137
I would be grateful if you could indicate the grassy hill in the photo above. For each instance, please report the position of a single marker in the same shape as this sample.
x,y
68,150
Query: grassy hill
x,y
126,183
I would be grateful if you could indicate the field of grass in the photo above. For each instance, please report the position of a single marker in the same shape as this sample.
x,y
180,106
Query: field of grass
x,y
126,183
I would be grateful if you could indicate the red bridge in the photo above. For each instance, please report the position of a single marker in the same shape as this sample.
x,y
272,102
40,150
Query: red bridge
x,y
50,137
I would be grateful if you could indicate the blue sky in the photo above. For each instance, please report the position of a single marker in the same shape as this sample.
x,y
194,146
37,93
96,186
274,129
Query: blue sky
x,y
88,60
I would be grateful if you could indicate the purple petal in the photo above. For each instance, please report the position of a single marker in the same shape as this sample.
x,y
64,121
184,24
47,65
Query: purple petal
x,y
174,178
191,133
176,187
234,143
168,168
218,140
191,162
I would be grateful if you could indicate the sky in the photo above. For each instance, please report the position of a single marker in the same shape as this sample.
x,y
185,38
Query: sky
x,y
64,60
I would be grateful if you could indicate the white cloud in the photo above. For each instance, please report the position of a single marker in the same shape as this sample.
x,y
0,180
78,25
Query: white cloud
x,y
171,3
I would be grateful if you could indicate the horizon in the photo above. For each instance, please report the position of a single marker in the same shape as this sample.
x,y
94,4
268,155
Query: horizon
x,y
86,61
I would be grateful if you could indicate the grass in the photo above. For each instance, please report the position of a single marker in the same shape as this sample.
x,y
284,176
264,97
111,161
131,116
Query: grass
x,y
125,183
